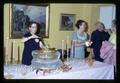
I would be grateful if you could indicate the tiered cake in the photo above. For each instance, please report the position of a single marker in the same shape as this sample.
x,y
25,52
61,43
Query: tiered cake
x,y
46,59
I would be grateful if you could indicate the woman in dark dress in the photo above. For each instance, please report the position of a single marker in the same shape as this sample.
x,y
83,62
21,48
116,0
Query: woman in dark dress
x,y
97,37
31,42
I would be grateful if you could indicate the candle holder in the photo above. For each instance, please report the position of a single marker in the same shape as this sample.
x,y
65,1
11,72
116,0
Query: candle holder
x,y
62,56
67,61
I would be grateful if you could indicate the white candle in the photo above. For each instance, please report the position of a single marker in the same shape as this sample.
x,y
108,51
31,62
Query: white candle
x,y
67,47
18,54
62,49
73,48
6,55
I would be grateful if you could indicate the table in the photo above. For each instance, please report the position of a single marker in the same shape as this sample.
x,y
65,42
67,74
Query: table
x,y
79,70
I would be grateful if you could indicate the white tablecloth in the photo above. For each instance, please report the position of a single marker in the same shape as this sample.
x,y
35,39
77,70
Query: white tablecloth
x,y
79,70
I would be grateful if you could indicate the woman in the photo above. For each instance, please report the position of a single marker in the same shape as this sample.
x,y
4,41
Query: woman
x,y
78,40
112,38
97,37
108,49
31,42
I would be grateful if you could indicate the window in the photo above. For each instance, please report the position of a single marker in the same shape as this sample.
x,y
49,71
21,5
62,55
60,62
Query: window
x,y
107,14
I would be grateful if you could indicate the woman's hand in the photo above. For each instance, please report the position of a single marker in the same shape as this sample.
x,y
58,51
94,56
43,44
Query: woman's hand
x,y
33,36
28,38
104,41
88,43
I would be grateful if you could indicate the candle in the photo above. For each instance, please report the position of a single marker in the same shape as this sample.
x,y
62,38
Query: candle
x,y
18,54
67,47
62,49
73,48
6,55
72,51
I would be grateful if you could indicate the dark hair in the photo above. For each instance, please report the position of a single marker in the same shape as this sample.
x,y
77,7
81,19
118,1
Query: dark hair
x,y
38,26
79,22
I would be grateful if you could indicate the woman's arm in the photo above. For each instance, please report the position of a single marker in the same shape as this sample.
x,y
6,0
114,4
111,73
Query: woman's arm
x,y
41,45
24,39
81,43
77,43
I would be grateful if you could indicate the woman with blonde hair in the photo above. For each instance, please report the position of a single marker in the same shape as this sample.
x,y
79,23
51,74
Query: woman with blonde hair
x,y
108,49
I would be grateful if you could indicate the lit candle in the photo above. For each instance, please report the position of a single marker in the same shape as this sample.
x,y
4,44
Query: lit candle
x,y
62,49
6,55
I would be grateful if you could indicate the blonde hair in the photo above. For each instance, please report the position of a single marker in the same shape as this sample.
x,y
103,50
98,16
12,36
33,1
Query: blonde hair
x,y
100,23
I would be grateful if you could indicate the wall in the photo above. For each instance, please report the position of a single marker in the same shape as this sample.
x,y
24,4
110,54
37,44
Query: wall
x,y
88,12
56,36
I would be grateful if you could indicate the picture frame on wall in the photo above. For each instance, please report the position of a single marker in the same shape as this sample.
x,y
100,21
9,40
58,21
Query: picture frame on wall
x,y
22,14
67,22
